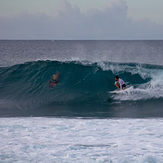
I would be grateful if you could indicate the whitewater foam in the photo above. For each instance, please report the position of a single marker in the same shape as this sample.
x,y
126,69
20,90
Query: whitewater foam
x,y
81,140
150,90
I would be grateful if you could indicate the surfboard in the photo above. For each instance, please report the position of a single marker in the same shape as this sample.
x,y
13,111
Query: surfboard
x,y
122,91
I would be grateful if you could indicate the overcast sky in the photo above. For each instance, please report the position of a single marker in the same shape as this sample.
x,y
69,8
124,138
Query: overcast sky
x,y
81,19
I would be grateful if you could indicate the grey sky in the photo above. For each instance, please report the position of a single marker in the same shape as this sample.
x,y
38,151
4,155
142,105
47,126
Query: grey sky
x,y
81,19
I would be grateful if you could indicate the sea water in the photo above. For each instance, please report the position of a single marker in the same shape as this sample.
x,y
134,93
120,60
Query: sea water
x,y
81,120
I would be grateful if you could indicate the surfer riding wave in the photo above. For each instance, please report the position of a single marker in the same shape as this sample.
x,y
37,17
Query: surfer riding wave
x,y
120,84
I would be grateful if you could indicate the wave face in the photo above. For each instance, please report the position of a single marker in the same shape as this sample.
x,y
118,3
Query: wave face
x,y
84,89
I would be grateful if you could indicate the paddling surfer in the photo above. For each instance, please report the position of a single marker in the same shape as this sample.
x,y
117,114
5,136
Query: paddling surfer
x,y
54,80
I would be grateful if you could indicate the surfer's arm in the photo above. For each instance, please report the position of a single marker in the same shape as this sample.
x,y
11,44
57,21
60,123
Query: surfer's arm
x,y
120,83
120,87
117,85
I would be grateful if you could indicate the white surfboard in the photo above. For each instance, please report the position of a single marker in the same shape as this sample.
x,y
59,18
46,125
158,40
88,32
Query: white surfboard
x,y
121,91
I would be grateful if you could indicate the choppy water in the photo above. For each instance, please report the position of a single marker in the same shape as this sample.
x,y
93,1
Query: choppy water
x,y
81,140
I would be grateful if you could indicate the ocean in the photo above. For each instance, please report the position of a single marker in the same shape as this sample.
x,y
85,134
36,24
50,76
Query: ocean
x,y
82,118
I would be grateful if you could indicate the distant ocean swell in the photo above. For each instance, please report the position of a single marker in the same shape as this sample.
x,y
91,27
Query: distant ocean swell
x,y
24,87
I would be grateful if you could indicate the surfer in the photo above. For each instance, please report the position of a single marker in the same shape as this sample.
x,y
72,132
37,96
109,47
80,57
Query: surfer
x,y
54,80
120,84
